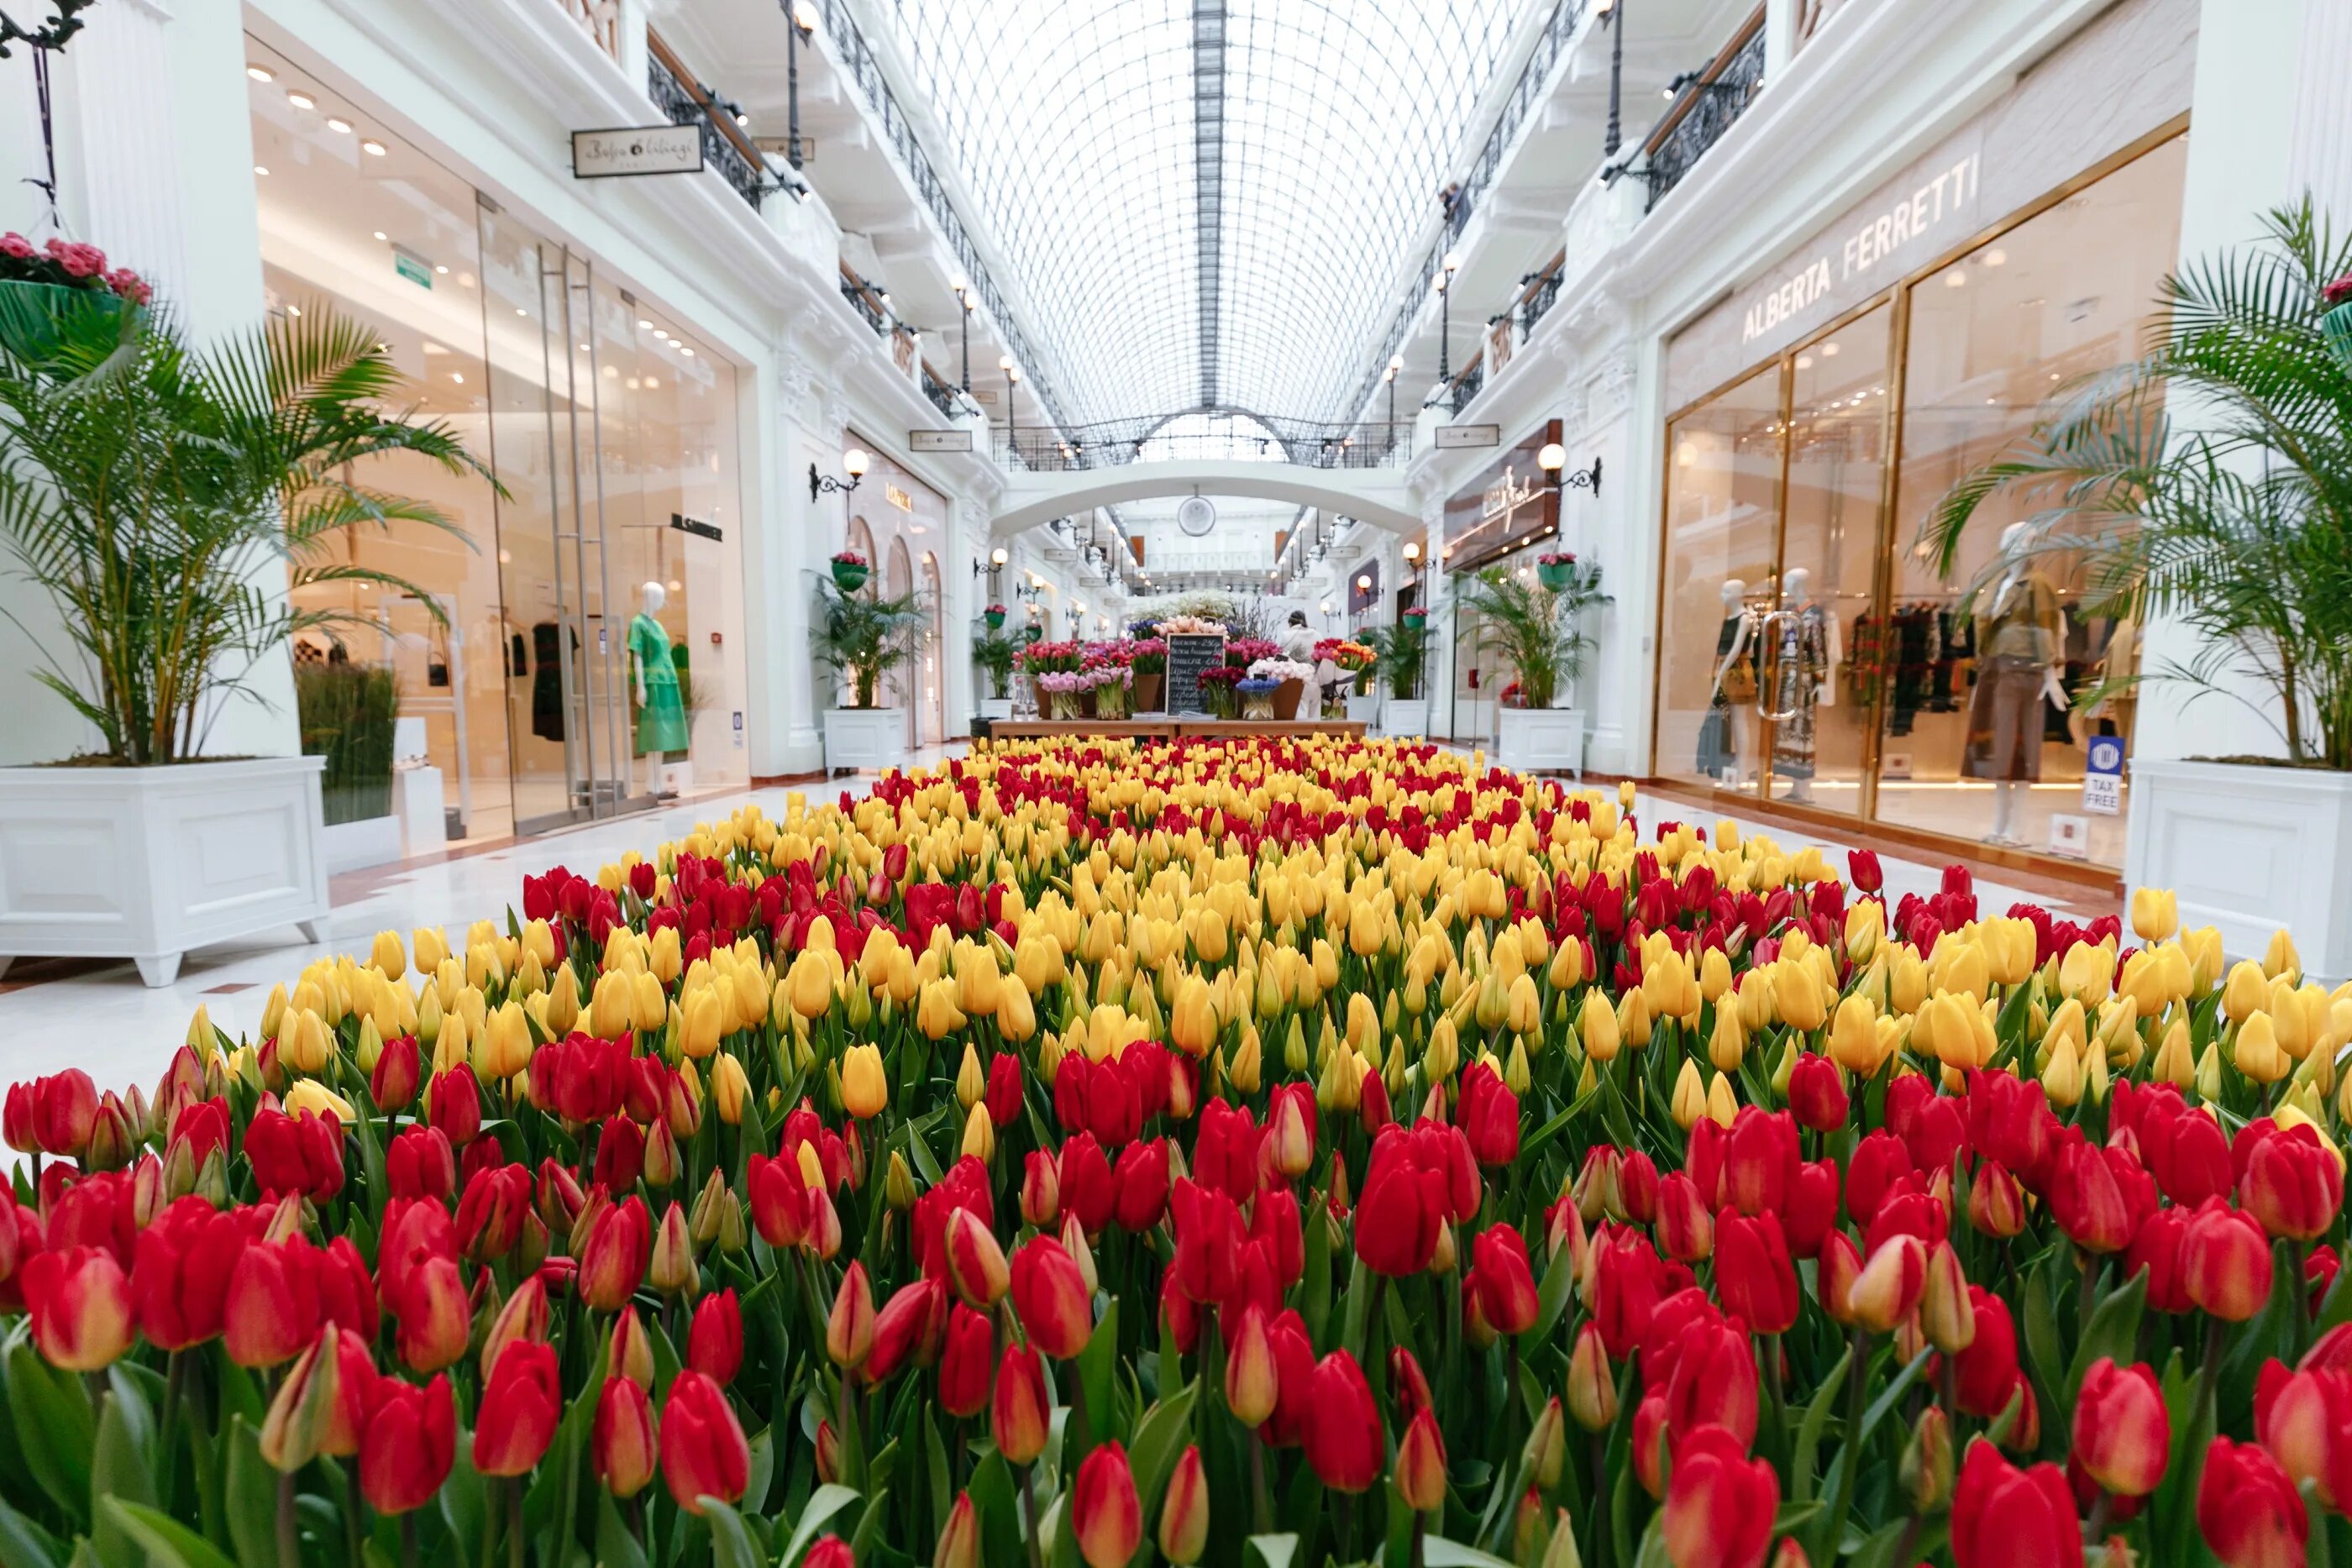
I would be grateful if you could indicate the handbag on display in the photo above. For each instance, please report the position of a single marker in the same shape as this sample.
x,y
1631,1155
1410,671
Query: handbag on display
x,y
1739,680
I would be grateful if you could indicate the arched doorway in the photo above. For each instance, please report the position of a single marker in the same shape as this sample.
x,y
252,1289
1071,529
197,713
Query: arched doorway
x,y
899,578
861,539
934,657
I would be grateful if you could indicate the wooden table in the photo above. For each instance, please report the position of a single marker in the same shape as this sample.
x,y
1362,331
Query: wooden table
x,y
1170,728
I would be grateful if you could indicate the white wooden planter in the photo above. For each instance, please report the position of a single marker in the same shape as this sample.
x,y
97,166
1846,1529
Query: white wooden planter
x,y
1405,716
355,846
1363,707
2248,851
146,863
995,708
864,738
1542,740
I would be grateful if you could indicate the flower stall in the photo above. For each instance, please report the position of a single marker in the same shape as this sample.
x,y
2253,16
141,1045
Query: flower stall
x,y
1287,1150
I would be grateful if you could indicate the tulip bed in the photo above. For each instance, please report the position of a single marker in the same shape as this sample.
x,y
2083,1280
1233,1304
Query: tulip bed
x,y
1279,1151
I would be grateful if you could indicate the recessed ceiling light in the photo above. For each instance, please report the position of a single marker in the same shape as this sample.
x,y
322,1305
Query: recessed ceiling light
x,y
1828,350
1956,279
1995,257
381,235
459,379
583,347
371,147
688,352
261,73
443,270
644,325
661,333
652,380
300,100
259,170
337,123
295,311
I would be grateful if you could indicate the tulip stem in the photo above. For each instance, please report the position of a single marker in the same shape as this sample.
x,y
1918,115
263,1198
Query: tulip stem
x,y
175,1378
1849,1461
1262,1501
355,1509
1420,1534
1029,1507
289,1538
408,1539
514,1523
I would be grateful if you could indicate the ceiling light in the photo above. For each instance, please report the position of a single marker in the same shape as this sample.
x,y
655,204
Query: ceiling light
x,y
1804,361
805,15
688,352
458,376
259,170
260,73
337,123
381,235
300,100
652,380
441,270
371,147
644,325
583,347
1956,279
1996,257
1828,350
520,311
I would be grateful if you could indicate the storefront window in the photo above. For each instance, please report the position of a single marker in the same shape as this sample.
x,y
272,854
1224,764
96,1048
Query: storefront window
x,y
1975,747
611,432
1723,483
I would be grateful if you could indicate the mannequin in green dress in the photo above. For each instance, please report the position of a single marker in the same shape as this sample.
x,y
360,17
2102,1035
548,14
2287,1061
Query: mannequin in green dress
x,y
661,715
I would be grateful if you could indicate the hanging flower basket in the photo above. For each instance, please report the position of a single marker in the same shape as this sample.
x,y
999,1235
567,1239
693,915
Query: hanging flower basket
x,y
2337,323
850,570
995,615
1032,633
1556,571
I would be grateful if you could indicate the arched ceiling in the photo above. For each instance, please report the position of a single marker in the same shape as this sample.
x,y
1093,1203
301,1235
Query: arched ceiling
x,y
1206,203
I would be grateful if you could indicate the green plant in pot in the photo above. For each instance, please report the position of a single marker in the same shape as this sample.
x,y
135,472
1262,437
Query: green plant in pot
x,y
995,654
348,714
862,637
1400,653
152,489
1538,631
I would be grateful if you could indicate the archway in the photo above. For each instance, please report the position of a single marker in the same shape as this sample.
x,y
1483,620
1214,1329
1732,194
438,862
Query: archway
x,y
899,578
1377,495
861,539
934,657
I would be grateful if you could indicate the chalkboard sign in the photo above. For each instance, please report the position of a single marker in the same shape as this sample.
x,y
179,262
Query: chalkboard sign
x,y
1188,655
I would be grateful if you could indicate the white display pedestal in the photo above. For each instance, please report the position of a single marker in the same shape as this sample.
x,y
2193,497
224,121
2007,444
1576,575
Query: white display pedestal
x,y
1542,740
416,800
1405,716
146,863
862,738
355,846
995,708
2248,851
1363,707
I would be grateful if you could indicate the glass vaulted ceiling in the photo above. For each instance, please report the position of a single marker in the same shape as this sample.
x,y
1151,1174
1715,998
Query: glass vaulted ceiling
x,y
1206,202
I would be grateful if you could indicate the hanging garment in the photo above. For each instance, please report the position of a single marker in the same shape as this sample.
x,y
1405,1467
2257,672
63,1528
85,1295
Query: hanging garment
x,y
547,681
661,720
1956,640
2005,731
1804,663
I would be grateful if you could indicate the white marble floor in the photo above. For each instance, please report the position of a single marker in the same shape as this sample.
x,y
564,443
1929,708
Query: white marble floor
x,y
102,1019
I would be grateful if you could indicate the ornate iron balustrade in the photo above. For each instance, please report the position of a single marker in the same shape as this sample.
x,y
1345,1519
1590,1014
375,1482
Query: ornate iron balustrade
x,y
1118,442
944,397
1703,110
1458,393
1541,296
681,99
861,294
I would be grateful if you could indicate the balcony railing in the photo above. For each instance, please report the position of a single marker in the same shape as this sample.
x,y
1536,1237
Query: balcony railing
x,y
943,395
1455,394
866,297
1703,110
1116,443
1541,294
677,93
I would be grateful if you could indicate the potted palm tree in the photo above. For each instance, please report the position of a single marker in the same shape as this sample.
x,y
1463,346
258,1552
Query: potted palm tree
x,y
1539,632
992,655
1400,656
862,637
2208,485
152,490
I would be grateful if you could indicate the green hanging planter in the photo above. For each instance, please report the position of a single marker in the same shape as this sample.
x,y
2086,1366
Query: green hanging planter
x,y
2337,325
995,618
1032,633
1555,577
850,578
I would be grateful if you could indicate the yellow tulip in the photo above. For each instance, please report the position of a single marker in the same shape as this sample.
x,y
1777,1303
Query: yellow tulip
x,y
313,1096
610,1005
1728,1042
2248,991
2062,1076
562,1003
1906,980
2084,971
1714,974
430,947
729,1087
2257,1053
1566,966
1016,1014
2176,1061
979,1135
865,1086
700,1024
663,959
652,1004
302,1042
1444,1052
809,984
2280,960
504,1048
1722,1104
1633,1019
387,956
1798,991
1690,1096
2203,946
936,1013
2155,914
971,1080
1244,1071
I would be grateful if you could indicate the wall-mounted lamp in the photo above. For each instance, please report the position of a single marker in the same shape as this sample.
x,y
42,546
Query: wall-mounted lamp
x,y
1553,458
1412,551
1363,583
854,462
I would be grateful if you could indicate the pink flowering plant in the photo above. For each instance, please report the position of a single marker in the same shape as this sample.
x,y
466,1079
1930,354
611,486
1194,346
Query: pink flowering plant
x,y
69,264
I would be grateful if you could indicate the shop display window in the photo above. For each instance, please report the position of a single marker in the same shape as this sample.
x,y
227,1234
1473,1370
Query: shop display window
x,y
1808,653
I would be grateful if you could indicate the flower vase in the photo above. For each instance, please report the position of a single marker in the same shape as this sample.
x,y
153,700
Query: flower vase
x,y
1032,633
1062,705
1147,692
995,618
1111,701
1257,706
1286,697
1554,578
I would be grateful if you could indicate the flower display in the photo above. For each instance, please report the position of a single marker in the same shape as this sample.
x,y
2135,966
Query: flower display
x,y
1278,670
69,264
850,557
1299,1150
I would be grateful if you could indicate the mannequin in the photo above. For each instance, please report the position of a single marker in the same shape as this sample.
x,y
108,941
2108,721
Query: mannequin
x,y
1802,681
2019,634
1731,700
661,715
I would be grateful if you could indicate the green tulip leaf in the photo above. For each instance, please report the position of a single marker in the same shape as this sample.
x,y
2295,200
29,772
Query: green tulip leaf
x,y
56,1427
1551,1299
1437,1551
250,1496
1159,1441
731,1543
167,1541
1315,1302
996,1501
615,1547
24,1544
1810,1428
2113,1331
119,1470
1274,1551
823,1504
1098,1383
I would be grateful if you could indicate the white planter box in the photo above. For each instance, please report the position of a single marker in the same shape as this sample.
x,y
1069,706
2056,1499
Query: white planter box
x,y
146,863
417,799
355,846
1363,707
995,708
2248,851
1405,716
864,738
1542,740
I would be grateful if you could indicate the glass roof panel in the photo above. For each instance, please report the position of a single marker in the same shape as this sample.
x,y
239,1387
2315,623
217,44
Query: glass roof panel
x,y
1089,134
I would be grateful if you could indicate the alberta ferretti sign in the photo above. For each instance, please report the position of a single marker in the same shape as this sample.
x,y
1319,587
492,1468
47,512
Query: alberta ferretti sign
x,y
1930,209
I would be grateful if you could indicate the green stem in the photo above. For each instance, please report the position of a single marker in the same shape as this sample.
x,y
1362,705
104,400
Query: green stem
x,y
1420,1533
1262,1500
408,1539
289,1538
354,1516
514,1523
1029,1507
1850,1463
175,1378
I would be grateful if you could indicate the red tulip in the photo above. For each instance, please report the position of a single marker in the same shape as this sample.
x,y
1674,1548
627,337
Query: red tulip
x,y
1105,1512
392,1084
966,1362
1714,1381
625,1444
1817,1094
2292,1183
1506,1286
1083,1174
181,1282
1399,1216
1686,1224
437,1318
1142,1185
1184,1510
1343,1438
779,1201
300,1154
2185,1150
1488,1115
521,1404
81,1306
270,1312
2248,1511
2304,1419
490,1215
2225,1261
911,1327
1019,1410
1753,1273
1421,1464
2123,1436
409,1444
703,1450
1889,1285
1650,1442
975,1262
59,1114
2003,1517
1861,868
612,1259
849,1328
1408,1385
1209,1236
453,1103
1050,1295
2099,1195
714,1342
357,1383
1996,1201
1986,1369
1628,1280
829,1552
1720,1503
1759,1160
1040,1191
1003,1095
420,1164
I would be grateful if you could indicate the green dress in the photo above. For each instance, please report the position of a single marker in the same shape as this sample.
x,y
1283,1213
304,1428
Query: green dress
x,y
661,723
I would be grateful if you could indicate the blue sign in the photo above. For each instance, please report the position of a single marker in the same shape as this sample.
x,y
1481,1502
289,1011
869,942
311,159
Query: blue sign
x,y
2103,775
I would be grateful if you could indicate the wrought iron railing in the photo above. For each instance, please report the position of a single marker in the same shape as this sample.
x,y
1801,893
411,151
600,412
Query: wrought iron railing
x,y
1706,108
1118,442
1455,395
679,97
1533,79
1541,295
857,61
944,396
864,296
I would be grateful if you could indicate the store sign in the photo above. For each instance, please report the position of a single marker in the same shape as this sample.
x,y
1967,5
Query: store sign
x,y
780,148
938,440
1506,505
2069,835
1452,437
636,150
898,498
696,527
415,269
2103,775
1863,246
